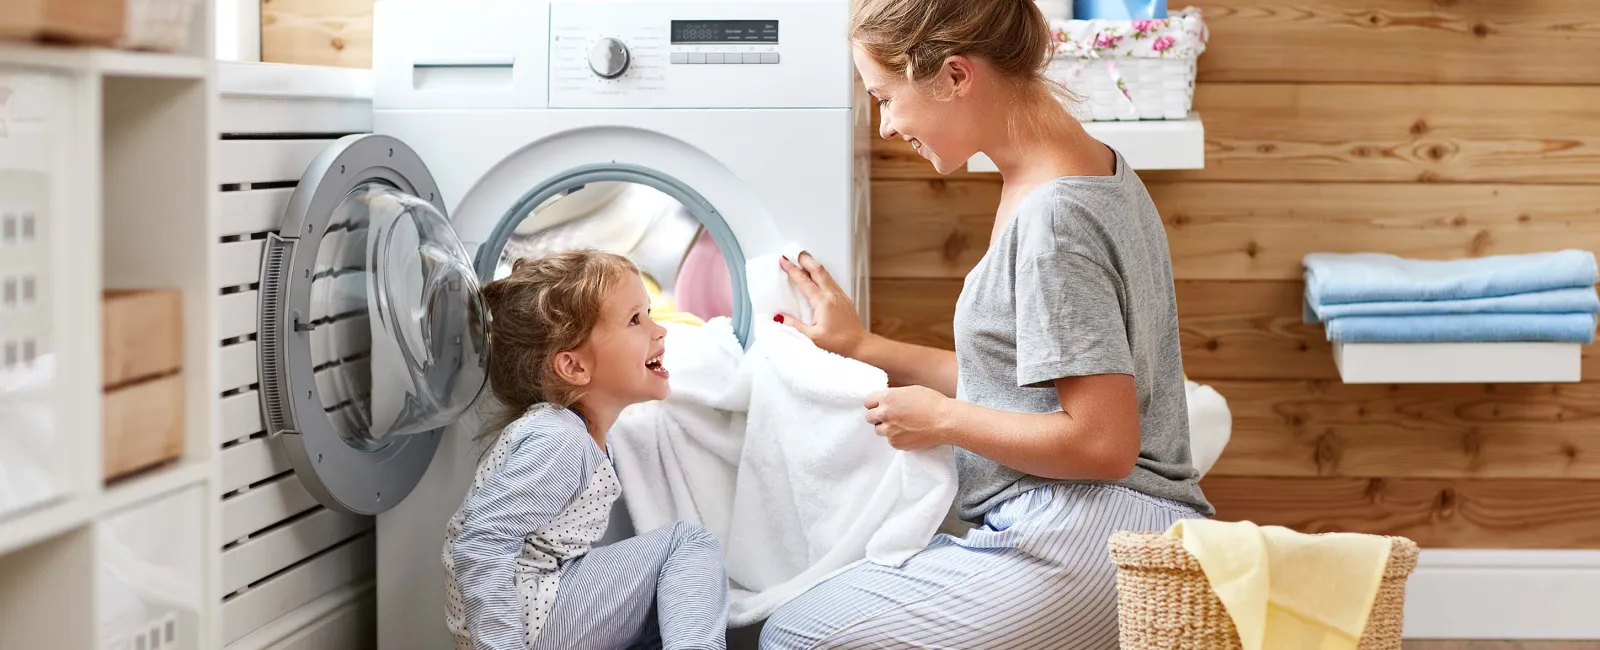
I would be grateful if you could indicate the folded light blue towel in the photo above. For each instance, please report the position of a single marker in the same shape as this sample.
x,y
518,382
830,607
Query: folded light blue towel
x,y
1339,278
1464,328
1554,301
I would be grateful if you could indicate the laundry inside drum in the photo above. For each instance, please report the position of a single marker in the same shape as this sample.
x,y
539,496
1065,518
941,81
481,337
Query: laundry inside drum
x,y
683,268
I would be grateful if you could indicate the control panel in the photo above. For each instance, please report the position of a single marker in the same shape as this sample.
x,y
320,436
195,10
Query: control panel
x,y
653,54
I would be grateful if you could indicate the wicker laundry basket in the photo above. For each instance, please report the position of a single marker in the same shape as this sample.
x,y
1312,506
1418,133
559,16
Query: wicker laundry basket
x,y
1165,602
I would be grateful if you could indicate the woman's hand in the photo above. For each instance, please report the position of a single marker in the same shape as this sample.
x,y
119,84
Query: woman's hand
x,y
837,328
910,417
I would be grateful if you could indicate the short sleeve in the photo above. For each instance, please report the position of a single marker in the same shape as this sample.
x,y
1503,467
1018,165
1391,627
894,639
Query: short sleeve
x,y
1069,319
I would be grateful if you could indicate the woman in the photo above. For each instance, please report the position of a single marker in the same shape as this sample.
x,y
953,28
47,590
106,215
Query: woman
x,y
1064,397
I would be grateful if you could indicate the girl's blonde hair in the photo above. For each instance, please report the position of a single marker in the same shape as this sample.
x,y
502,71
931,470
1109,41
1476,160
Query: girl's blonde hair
x,y
914,37
548,305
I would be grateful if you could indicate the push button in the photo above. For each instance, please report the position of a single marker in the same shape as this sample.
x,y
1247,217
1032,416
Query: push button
x,y
680,57
752,57
769,57
713,57
697,57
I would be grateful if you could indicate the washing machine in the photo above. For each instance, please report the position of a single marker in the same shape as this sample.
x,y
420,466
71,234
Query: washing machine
x,y
691,136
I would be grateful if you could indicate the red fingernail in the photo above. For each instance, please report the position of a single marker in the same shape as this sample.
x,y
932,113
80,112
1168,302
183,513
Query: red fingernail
x,y
778,318
785,257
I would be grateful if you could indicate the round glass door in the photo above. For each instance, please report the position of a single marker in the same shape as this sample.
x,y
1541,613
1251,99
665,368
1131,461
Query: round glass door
x,y
411,360
374,335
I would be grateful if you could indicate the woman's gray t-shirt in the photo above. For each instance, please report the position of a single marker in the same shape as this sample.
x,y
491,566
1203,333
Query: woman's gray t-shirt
x,y
1078,283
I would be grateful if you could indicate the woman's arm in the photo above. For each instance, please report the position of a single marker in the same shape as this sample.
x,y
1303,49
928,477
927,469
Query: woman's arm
x,y
837,329
909,364
1095,435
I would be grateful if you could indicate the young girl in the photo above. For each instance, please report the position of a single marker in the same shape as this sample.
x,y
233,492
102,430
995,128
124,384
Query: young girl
x,y
573,344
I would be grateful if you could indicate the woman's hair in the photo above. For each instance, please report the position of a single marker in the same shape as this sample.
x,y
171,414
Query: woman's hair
x,y
548,305
914,37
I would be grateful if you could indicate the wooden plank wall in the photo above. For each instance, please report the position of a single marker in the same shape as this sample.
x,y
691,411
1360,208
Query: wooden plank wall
x,y
317,32
1428,128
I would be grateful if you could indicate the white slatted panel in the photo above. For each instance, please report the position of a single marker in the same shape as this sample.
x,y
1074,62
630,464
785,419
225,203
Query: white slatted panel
x,y
250,462
306,573
265,161
239,263
276,550
239,363
241,417
294,115
343,619
247,212
264,506
284,593
236,314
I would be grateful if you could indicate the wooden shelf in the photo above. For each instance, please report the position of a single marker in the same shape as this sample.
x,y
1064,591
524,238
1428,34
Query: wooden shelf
x,y
107,62
1147,144
1451,363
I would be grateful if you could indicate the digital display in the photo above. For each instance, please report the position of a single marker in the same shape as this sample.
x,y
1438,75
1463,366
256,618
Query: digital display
x,y
724,31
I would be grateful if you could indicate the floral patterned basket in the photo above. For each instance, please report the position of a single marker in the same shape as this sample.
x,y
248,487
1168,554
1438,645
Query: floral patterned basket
x,y
1129,69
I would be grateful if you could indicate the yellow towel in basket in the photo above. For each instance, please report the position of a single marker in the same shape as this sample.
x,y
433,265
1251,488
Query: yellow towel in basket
x,y
1286,589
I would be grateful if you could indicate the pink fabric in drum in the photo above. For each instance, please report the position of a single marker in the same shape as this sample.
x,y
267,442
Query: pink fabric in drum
x,y
703,287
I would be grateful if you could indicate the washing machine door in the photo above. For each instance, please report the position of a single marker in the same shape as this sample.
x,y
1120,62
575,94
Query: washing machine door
x,y
374,336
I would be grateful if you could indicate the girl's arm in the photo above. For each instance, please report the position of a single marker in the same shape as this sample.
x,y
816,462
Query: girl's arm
x,y
837,329
531,488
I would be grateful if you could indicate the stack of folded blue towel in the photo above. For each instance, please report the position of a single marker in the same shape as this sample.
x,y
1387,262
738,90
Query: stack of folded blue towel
x,y
1376,298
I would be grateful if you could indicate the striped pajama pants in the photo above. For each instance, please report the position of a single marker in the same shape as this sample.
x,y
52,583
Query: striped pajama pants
x,y
662,589
1036,574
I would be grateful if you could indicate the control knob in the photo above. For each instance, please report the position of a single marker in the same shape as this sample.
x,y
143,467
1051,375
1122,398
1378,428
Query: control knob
x,y
609,58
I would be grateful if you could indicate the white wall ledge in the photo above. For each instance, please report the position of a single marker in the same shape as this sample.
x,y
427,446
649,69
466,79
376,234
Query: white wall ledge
x,y
1147,144
1455,363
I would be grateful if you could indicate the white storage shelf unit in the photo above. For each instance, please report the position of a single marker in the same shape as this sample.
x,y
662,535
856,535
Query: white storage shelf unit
x,y
295,575
108,156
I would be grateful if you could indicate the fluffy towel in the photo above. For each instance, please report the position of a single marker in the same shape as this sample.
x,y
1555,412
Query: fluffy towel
x,y
1554,301
1339,278
769,450
1285,589
818,489
677,458
770,291
1210,425
1553,328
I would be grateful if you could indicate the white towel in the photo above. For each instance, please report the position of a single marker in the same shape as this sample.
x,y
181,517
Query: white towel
x,y
810,489
677,458
770,291
818,490
1210,425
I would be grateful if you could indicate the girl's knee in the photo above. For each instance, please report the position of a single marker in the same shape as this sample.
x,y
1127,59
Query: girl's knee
x,y
687,534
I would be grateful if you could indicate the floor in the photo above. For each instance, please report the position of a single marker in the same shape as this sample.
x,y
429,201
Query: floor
x,y
1502,645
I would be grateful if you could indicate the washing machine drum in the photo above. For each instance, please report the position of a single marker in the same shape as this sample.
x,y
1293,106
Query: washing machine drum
x,y
374,335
